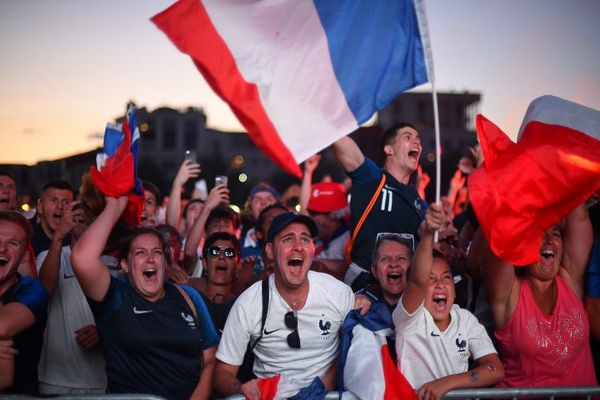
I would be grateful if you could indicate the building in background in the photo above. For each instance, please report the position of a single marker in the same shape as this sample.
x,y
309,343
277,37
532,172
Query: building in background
x,y
166,134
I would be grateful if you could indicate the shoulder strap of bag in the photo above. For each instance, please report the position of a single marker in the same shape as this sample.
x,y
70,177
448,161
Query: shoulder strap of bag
x,y
265,309
362,219
188,300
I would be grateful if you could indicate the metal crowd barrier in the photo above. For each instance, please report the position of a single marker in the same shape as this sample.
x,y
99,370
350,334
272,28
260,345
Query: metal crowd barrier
x,y
500,393
488,393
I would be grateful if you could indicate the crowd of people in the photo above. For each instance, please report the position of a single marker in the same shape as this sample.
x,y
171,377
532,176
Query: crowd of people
x,y
197,301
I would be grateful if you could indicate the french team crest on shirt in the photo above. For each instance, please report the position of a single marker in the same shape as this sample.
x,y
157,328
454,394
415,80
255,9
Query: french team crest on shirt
x,y
419,207
324,326
461,344
189,319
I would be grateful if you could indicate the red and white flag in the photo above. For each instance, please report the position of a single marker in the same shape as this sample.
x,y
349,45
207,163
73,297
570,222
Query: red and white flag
x,y
524,188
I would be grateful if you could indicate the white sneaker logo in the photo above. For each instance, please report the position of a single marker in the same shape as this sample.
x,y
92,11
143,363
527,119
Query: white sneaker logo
x,y
136,311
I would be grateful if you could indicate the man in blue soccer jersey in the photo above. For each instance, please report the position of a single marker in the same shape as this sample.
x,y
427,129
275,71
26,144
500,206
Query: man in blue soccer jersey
x,y
398,208
23,303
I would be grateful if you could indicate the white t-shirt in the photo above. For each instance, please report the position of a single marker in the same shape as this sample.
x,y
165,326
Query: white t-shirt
x,y
426,354
62,361
319,322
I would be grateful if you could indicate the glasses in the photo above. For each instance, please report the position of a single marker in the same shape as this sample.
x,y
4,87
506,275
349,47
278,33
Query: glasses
x,y
404,238
291,321
215,251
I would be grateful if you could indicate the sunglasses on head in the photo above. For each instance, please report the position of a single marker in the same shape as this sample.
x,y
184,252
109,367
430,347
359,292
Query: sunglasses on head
x,y
216,251
291,321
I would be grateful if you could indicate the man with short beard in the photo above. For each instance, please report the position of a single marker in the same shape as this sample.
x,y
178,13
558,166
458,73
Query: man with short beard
x,y
23,303
306,309
56,196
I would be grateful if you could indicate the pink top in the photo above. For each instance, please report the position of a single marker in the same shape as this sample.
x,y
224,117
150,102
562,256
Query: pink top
x,y
547,350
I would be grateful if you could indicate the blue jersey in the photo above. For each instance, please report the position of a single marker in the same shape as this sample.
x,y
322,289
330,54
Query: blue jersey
x,y
398,209
32,294
153,347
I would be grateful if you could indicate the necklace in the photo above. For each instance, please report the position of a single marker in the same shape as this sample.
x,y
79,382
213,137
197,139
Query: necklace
x,y
296,305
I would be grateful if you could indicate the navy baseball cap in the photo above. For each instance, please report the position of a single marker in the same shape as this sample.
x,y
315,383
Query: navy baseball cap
x,y
283,220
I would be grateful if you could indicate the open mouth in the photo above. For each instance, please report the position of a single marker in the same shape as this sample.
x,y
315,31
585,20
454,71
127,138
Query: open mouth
x,y
394,277
295,262
56,217
3,261
439,301
547,256
413,153
4,201
221,269
150,273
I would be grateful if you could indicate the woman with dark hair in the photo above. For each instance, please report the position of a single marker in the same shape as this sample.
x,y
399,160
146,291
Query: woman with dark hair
x,y
158,338
542,328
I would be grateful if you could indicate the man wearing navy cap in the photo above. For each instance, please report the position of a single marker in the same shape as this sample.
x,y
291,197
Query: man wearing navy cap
x,y
305,312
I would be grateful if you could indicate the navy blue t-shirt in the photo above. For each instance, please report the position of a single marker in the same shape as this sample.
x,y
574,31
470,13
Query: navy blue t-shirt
x,y
153,347
33,295
398,209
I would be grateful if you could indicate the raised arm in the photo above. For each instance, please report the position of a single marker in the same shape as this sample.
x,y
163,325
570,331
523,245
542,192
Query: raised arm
x,y
422,262
187,170
310,165
577,244
92,274
218,194
50,266
500,282
348,154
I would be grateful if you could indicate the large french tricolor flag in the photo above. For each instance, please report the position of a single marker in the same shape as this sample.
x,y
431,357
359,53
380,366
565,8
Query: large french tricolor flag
x,y
524,188
301,74
366,370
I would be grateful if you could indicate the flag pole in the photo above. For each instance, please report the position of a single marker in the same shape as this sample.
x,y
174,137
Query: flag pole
x,y
438,150
424,31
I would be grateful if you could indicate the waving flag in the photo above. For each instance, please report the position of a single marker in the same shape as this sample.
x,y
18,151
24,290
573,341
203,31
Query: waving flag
x,y
115,173
366,369
524,188
282,387
301,74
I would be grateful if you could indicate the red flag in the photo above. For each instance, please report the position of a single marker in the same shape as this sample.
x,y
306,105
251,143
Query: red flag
x,y
524,188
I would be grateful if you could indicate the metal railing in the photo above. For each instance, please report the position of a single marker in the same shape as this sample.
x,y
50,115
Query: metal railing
x,y
487,393
500,393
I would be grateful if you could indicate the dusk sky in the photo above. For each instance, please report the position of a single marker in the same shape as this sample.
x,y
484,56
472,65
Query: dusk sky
x,y
70,66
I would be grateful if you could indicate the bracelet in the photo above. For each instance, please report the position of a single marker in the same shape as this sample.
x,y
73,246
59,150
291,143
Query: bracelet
x,y
366,292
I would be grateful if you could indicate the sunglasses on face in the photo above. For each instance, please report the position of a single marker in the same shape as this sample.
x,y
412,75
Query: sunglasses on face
x,y
291,321
215,251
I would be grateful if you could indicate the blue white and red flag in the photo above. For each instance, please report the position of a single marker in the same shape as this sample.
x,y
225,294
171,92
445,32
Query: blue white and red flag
x,y
281,387
301,74
115,173
366,370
